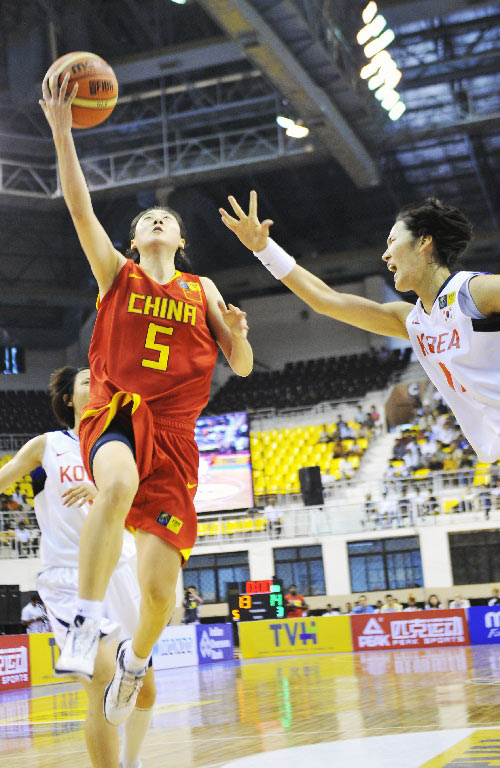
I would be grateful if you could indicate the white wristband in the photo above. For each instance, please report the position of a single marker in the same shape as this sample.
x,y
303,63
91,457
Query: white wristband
x,y
276,259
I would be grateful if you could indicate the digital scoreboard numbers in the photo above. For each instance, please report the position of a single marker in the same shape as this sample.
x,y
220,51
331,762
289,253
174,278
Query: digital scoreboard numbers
x,y
253,600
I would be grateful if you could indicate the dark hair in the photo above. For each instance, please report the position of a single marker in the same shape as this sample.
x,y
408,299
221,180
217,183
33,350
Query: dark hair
x,y
449,227
181,261
61,388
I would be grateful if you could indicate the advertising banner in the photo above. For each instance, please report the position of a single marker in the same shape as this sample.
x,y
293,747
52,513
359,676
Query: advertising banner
x,y
176,648
422,629
484,624
14,662
214,642
293,637
43,656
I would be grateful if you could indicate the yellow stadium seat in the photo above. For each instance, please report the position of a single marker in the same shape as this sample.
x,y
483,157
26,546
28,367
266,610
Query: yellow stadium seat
x,y
449,504
229,527
420,472
202,529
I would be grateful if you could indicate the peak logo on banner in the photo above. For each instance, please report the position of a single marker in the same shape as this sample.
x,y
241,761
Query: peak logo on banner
x,y
420,630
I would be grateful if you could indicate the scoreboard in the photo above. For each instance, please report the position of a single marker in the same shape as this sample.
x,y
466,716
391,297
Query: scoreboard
x,y
253,600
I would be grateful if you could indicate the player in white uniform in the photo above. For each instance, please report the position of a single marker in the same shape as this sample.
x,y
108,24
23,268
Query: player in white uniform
x,y
454,328
61,507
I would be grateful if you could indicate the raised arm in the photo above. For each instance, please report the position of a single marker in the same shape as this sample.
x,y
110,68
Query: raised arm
x,y
229,328
28,458
105,261
385,319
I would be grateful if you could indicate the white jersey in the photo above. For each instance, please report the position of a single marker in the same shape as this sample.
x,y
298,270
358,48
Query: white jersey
x,y
461,356
61,526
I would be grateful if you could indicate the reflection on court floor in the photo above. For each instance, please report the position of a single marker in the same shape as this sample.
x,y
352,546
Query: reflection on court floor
x,y
413,708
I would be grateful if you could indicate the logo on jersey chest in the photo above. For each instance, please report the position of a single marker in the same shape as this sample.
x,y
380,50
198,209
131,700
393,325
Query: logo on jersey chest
x,y
192,291
446,303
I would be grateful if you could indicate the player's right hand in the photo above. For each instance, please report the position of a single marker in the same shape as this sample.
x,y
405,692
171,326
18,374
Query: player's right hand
x,y
252,232
56,105
79,494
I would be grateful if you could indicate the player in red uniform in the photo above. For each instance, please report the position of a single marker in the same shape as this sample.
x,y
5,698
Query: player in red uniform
x,y
152,355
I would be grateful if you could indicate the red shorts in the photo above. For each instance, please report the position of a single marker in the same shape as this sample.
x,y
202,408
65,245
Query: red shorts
x,y
167,462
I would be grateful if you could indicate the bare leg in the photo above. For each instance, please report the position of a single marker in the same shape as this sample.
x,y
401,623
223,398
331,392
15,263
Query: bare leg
x,y
101,738
158,566
101,540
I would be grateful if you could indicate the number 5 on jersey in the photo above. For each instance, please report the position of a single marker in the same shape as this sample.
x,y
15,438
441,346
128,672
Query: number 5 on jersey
x,y
163,349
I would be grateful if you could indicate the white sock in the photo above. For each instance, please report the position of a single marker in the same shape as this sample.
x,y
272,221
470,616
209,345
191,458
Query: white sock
x,y
89,609
132,662
135,730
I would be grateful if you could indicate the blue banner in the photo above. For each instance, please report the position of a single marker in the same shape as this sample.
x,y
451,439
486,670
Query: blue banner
x,y
484,624
214,642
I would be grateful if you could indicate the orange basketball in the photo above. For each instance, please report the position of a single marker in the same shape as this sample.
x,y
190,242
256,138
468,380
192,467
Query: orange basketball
x,y
97,86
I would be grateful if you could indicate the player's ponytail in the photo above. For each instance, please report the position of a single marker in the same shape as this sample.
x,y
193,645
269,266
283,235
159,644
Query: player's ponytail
x,y
61,388
181,261
450,229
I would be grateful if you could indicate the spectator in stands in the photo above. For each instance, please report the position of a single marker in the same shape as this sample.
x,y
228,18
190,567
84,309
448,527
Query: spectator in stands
x,y
412,604
348,608
346,468
485,501
191,605
371,512
433,603
362,606
437,459
387,507
496,494
391,605
331,611
404,508
344,432
273,517
431,506
34,616
495,599
460,602
467,502
22,536
378,606
294,603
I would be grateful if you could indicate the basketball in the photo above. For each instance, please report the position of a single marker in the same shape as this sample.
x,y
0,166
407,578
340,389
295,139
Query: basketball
x,y
97,86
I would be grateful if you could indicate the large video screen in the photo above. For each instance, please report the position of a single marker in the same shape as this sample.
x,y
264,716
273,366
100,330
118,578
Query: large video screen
x,y
225,471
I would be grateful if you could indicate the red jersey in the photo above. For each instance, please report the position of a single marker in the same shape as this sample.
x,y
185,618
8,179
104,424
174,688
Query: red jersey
x,y
294,605
153,341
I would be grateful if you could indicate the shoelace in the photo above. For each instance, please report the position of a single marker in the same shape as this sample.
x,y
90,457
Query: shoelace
x,y
128,681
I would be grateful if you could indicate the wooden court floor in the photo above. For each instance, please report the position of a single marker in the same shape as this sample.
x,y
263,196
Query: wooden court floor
x,y
372,708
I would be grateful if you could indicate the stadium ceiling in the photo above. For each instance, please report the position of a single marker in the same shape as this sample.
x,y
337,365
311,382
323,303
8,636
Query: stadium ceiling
x,y
201,85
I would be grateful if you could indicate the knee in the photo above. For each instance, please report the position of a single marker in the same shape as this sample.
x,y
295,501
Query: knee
x,y
159,597
119,494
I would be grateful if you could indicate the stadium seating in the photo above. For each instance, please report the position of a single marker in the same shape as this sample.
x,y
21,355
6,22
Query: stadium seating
x,y
25,412
278,454
307,382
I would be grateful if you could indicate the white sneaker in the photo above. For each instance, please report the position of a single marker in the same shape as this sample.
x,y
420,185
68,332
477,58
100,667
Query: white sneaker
x,y
79,649
121,694
136,765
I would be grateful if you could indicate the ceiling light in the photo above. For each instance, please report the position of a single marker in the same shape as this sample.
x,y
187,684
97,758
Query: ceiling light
x,y
297,131
374,46
369,12
377,25
284,122
397,110
389,100
368,70
376,81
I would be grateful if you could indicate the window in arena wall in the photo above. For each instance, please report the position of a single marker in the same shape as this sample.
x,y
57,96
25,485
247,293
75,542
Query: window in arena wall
x,y
302,566
211,573
474,556
381,564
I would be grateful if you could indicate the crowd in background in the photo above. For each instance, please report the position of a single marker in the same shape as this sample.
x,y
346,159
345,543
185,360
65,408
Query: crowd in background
x,y
18,527
391,604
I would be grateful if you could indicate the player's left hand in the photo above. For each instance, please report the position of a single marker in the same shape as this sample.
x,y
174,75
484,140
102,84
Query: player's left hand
x,y
235,319
79,494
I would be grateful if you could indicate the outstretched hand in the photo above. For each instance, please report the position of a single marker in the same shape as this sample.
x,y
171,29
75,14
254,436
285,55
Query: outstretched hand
x,y
56,105
252,232
235,319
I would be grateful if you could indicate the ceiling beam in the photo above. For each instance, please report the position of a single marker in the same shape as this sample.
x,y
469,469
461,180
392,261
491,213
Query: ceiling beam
x,y
267,51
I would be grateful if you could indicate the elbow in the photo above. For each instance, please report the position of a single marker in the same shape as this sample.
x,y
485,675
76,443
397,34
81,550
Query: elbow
x,y
243,371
